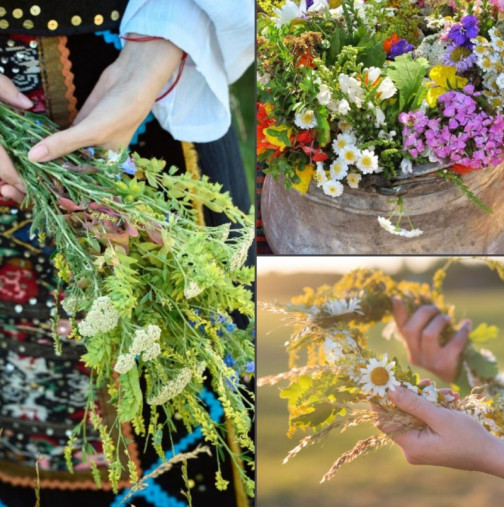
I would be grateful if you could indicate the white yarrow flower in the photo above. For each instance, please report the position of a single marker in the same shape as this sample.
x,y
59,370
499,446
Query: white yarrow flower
x,y
101,318
172,388
124,363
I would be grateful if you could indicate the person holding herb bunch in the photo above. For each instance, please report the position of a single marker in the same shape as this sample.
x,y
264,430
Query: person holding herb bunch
x,y
451,438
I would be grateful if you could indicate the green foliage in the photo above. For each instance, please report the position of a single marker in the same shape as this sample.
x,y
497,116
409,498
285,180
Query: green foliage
x,y
407,74
483,333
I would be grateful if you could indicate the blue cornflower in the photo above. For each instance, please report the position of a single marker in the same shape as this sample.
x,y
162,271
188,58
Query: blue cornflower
x,y
229,360
250,367
129,167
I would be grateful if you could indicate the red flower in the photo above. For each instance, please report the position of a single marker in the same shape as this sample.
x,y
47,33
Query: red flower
x,y
306,59
305,137
462,169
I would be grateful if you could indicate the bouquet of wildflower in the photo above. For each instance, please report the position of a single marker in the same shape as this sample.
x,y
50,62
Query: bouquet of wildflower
x,y
342,372
366,94
149,291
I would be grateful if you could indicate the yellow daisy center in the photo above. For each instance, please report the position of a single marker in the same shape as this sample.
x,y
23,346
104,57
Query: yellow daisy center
x,y
308,117
379,376
366,161
459,54
350,155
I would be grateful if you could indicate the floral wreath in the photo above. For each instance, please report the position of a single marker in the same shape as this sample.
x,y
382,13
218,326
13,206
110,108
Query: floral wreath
x,y
331,323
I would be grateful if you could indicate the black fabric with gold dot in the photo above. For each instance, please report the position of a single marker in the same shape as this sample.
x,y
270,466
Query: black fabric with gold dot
x,y
57,17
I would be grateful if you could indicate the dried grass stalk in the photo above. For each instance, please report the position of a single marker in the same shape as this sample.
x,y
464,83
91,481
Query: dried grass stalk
x,y
362,447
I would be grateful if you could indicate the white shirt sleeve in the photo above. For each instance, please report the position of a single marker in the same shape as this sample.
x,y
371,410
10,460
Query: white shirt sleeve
x,y
218,36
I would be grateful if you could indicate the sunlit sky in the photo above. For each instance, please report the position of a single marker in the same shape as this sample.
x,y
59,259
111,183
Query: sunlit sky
x,y
342,264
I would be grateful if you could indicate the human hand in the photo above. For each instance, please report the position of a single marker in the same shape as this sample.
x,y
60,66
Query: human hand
x,y
11,186
120,101
421,334
450,438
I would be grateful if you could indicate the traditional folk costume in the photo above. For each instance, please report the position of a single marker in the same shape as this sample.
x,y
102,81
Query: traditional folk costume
x,y
55,52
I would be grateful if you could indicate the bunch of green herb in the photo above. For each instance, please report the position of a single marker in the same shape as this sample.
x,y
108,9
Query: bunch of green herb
x,y
149,289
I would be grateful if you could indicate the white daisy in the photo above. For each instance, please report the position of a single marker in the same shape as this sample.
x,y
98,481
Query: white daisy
x,y
350,154
368,162
320,174
337,307
500,81
411,387
353,180
430,393
287,13
333,350
305,119
377,377
342,141
332,188
386,224
338,170
345,127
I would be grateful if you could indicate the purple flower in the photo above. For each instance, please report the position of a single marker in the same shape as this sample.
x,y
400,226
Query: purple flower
x,y
401,47
462,33
460,57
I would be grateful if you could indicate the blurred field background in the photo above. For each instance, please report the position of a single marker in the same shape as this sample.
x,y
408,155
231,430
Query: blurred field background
x,y
383,478
243,107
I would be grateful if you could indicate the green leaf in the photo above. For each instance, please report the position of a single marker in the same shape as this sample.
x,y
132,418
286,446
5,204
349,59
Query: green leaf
x,y
483,333
320,413
482,366
131,395
296,390
408,74
324,135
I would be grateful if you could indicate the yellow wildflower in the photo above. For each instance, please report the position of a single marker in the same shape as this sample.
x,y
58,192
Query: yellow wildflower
x,y
276,140
444,79
306,177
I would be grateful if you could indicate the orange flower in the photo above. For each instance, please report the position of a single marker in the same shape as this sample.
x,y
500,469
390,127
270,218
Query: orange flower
x,y
388,43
